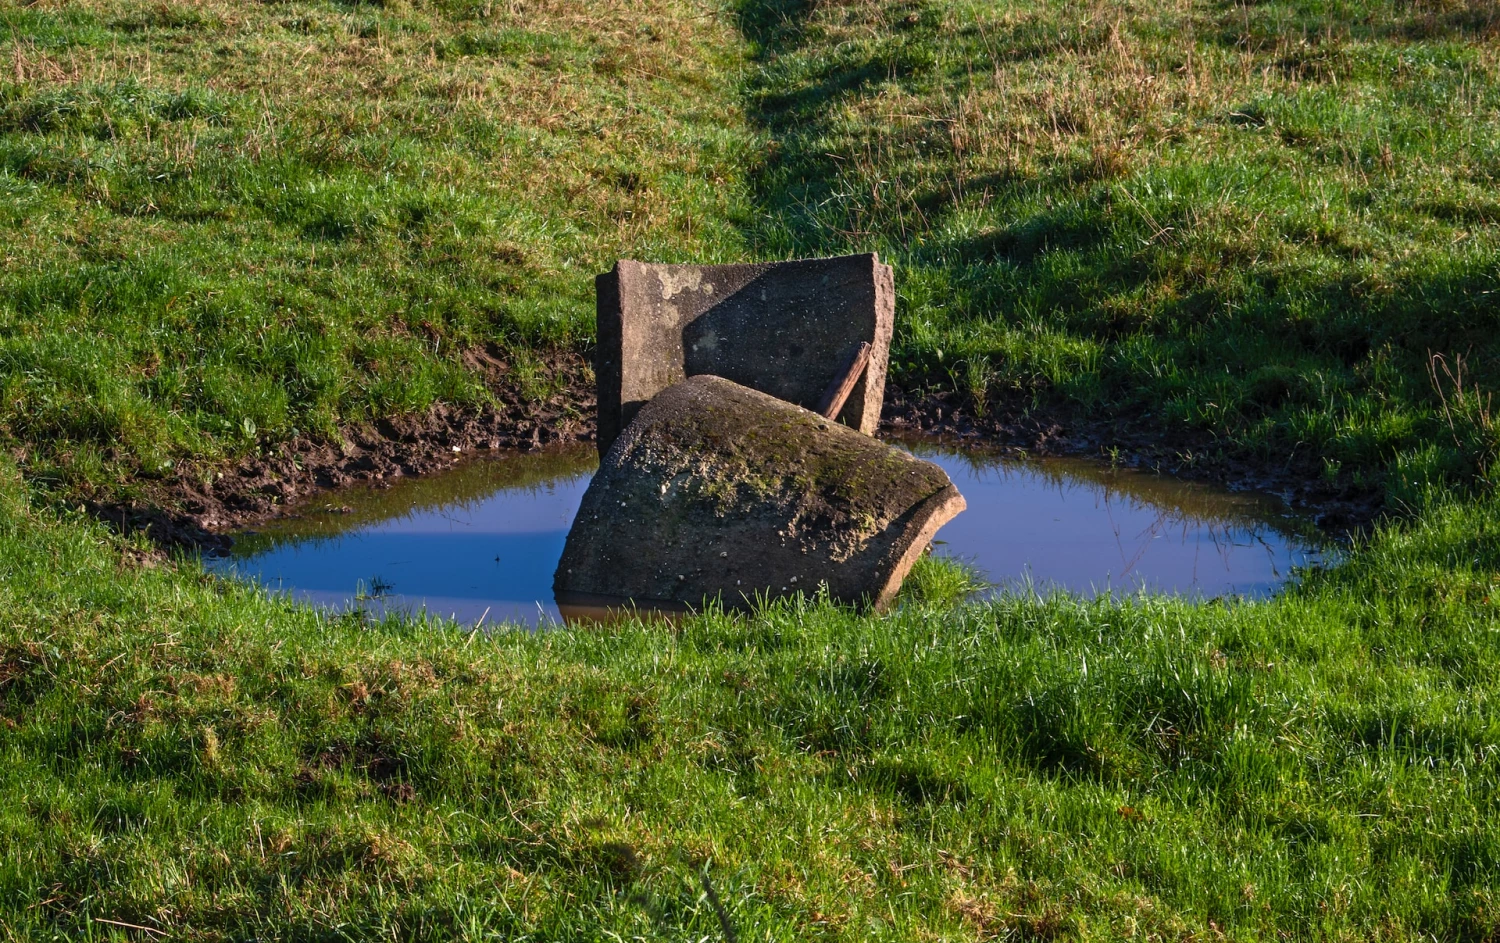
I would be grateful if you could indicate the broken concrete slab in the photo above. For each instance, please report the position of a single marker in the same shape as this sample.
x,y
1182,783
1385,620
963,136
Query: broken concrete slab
x,y
783,328
719,492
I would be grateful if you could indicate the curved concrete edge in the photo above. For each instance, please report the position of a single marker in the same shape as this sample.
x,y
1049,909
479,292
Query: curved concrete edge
x,y
926,519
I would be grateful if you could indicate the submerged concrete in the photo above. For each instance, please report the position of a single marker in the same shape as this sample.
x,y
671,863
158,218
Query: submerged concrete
x,y
719,492
784,328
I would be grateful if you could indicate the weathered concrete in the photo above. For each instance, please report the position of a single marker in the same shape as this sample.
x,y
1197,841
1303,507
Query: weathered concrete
x,y
783,328
717,491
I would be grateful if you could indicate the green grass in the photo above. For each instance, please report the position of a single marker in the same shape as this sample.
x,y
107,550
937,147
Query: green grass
x,y
224,224
1250,221
184,754
227,224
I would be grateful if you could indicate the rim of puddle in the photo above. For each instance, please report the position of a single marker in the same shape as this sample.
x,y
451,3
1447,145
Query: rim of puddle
x,y
1223,514
1143,485
425,507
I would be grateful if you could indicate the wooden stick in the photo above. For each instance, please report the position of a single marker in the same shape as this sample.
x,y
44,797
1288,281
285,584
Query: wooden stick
x,y
838,391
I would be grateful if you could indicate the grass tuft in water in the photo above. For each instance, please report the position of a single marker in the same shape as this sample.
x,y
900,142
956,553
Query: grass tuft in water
x,y
941,581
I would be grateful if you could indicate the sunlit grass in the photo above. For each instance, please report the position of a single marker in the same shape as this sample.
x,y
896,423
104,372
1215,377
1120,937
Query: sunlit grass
x,y
1251,222
227,224
224,224
192,756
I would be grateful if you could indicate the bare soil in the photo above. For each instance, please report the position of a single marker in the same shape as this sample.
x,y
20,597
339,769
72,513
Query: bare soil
x,y
198,508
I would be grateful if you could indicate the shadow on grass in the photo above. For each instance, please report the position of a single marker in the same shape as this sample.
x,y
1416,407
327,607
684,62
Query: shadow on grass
x,y
1096,279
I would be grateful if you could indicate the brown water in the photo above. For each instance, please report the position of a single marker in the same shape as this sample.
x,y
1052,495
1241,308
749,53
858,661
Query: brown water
x,y
479,543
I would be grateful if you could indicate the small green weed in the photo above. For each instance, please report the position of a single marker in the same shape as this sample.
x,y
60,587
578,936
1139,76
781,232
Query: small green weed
x,y
1466,410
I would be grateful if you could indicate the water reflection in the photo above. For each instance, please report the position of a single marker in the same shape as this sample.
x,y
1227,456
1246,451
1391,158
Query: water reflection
x,y
479,543
1090,528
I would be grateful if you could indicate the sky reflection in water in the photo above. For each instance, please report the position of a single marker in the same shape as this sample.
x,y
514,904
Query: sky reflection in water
x,y
480,542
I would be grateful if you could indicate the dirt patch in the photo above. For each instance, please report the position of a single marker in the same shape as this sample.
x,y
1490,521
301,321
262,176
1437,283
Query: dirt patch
x,y
375,757
25,676
197,508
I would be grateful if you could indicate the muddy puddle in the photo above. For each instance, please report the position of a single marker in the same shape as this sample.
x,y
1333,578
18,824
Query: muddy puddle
x,y
479,543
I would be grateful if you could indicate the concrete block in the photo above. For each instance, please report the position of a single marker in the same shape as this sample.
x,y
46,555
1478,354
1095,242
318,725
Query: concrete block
x,y
718,491
783,328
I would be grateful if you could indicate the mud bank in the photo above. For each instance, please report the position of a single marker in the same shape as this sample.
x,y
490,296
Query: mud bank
x,y
1340,507
195,507
198,506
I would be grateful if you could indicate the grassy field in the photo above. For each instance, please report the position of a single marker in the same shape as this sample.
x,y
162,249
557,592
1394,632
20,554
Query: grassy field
x,y
1255,220
185,755
228,223
224,224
